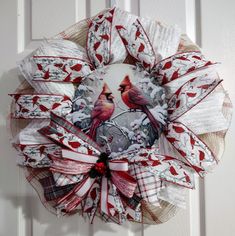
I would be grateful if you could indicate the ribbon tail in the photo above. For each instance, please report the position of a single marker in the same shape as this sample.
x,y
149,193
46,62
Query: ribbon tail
x,y
115,202
91,203
71,201
125,183
104,196
133,215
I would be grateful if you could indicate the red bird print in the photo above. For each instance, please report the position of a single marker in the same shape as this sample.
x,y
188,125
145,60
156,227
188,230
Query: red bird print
x,y
102,111
134,98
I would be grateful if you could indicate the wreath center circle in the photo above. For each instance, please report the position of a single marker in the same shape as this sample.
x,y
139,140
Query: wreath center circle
x,y
121,107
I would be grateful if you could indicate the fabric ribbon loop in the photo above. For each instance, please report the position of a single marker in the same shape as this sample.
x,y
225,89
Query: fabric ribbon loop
x,y
193,149
178,65
60,69
81,157
125,183
70,201
104,196
118,165
137,44
99,38
65,133
191,93
31,106
69,167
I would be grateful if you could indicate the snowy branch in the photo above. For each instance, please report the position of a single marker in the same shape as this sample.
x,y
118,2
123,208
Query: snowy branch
x,y
121,113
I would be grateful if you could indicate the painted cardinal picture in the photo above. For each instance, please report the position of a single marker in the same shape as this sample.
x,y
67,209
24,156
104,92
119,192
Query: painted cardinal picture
x,y
135,99
102,111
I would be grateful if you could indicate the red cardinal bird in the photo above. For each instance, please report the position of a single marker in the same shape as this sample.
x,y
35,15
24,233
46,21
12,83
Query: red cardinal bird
x,y
134,98
102,111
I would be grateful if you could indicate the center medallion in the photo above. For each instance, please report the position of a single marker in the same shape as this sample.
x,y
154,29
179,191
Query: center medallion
x,y
121,107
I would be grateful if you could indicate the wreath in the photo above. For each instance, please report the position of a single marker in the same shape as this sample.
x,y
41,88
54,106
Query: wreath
x,y
120,113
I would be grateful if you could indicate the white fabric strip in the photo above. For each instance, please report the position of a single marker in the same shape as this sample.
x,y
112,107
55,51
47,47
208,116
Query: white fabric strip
x,y
30,134
165,39
207,116
118,165
79,156
173,194
174,85
85,187
104,196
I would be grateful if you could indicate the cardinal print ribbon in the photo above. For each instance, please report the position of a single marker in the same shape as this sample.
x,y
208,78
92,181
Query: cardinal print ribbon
x,y
192,149
180,65
60,69
99,39
137,44
31,106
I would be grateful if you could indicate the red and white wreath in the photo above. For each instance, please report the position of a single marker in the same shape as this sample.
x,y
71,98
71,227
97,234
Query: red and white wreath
x,y
122,112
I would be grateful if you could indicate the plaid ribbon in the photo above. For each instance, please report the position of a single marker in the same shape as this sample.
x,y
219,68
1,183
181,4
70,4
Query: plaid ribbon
x,y
66,179
51,191
148,186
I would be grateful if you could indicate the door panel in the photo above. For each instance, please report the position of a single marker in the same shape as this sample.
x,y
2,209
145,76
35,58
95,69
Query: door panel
x,y
46,17
170,12
9,173
218,37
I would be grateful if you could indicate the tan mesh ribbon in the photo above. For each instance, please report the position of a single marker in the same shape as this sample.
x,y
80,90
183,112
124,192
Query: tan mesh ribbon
x,y
151,214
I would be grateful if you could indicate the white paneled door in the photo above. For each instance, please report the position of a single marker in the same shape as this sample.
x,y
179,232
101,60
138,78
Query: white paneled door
x,y
23,24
